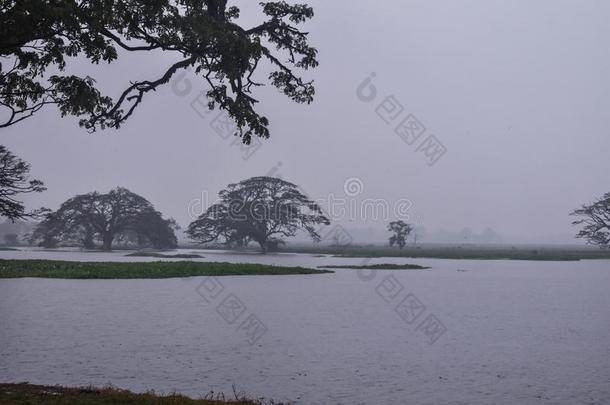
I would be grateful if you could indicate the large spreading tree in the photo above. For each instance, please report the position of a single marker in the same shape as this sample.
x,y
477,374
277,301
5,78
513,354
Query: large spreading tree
x,y
595,221
39,39
15,181
117,216
259,209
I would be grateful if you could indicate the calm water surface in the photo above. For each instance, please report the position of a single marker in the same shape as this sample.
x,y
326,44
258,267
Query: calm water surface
x,y
517,332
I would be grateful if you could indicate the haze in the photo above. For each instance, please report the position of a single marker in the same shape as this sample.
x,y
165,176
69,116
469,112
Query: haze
x,y
516,91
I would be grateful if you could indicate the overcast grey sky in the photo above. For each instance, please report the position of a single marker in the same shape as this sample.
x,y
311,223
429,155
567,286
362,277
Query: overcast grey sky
x,y
517,91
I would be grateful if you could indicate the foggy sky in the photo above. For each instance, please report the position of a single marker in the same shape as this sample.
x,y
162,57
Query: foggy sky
x,y
517,91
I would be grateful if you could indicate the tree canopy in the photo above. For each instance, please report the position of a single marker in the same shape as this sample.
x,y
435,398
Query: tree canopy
x,y
401,231
117,216
14,181
39,37
595,218
259,209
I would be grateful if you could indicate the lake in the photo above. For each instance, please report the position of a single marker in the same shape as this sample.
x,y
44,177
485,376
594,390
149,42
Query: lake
x,y
463,332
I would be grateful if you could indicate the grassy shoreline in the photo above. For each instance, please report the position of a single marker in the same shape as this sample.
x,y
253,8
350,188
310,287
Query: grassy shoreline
x,y
467,252
140,270
424,251
24,393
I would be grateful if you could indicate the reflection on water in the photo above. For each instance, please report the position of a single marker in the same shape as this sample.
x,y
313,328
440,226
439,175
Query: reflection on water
x,y
516,332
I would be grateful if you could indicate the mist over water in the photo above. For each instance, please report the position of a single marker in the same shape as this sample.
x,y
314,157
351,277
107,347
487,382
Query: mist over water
x,y
436,172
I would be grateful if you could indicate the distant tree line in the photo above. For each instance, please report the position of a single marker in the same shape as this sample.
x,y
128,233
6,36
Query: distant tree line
x,y
263,210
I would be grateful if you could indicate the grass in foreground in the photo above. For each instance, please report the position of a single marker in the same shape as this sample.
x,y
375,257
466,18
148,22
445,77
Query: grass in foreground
x,y
384,266
138,270
29,394
156,254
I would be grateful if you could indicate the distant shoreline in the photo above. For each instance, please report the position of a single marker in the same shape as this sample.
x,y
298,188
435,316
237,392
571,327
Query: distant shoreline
x,y
442,251
423,251
469,252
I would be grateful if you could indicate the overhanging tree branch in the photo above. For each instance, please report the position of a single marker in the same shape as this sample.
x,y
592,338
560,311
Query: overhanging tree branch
x,y
39,36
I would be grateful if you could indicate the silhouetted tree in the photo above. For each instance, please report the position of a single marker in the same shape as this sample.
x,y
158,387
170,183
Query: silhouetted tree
x,y
595,221
47,233
260,209
15,180
401,231
40,36
87,218
72,223
273,244
152,230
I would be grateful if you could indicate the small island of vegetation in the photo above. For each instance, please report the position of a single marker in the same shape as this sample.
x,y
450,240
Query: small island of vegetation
x,y
139,270
382,266
165,256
